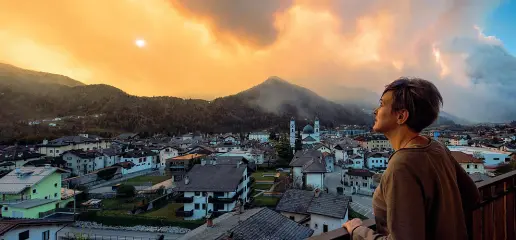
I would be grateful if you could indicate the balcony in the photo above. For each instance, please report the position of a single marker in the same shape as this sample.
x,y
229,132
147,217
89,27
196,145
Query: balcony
x,y
182,213
493,218
221,199
183,199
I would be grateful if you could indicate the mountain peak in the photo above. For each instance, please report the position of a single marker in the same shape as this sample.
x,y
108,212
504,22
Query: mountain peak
x,y
275,80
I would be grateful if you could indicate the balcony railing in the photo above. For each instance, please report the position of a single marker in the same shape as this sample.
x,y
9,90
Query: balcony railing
x,y
493,218
221,199
180,212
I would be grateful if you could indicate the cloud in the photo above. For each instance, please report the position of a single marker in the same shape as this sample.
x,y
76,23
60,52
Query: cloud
x,y
201,49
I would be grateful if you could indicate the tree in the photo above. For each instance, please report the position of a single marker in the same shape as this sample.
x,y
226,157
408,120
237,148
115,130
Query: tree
x,y
298,144
272,136
284,151
125,191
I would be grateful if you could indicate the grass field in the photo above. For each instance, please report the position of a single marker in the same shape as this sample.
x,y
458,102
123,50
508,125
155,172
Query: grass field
x,y
262,186
266,201
168,211
259,175
145,179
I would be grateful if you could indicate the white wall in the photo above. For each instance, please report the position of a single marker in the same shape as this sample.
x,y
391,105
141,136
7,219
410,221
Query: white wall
x,y
333,223
339,155
297,176
297,216
138,166
35,232
470,168
316,180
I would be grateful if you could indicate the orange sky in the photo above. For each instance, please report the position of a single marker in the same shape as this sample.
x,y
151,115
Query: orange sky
x,y
206,49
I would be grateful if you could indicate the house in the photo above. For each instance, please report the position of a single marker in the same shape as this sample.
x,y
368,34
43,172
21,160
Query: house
x,y
375,141
469,163
322,148
491,158
111,156
81,162
377,160
329,161
140,160
227,147
128,136
29,191
213,189
255,223
164,153
180,165
229,138
320,211
360,180
308,169
200,149
261,137
356,161
346,148
83,142
12,159
253,155
462,141
42,229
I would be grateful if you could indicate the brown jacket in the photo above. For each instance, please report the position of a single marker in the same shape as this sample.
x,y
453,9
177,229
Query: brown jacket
x,y
423,194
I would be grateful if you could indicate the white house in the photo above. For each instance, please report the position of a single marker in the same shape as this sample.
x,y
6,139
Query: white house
x,y
320,211
322,148
469,163
262,137
83,162
164,153
308,169
345,149
356,161
43,229
360,180
83,142
203,196
253,155
490,157
227,147
140,160
377,160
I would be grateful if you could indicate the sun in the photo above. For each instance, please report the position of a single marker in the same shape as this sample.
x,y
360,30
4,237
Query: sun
x,y
140,43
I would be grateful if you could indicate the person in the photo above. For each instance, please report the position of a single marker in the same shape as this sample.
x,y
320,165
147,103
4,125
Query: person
x,y
424,193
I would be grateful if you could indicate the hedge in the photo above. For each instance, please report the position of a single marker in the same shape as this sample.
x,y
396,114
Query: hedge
x,y
133,220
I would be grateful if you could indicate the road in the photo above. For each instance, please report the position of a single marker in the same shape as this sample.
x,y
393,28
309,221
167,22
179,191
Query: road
x,y
360,204
100,234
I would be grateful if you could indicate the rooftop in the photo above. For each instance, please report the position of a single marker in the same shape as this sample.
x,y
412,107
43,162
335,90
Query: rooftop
x,y
471,150
305,202
189,156
14,183
202,178
462,157
32,203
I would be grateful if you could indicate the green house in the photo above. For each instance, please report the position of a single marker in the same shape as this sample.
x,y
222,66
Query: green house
x,y
28,191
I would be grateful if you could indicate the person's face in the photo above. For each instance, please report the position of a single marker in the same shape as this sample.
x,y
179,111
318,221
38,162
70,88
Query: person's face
x,y
385,118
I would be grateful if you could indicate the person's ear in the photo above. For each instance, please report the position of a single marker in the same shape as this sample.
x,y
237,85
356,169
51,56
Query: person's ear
x,y
403,116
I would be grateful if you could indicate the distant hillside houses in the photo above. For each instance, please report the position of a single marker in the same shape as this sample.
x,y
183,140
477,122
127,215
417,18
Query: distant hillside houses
x,y
83,142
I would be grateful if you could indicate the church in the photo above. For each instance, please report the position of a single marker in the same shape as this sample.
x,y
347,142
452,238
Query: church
x,y
309,135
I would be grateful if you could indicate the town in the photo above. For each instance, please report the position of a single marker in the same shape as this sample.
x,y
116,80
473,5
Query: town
x,y
303,182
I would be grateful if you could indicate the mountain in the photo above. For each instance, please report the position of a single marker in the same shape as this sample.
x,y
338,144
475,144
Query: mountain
x,y
278,96
455,119
27,96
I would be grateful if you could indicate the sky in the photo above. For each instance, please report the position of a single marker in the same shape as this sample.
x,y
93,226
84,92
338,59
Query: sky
x,y
208,49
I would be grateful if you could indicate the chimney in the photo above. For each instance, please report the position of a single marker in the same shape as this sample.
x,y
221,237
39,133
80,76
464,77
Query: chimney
x,y
187,180
45,142
317,192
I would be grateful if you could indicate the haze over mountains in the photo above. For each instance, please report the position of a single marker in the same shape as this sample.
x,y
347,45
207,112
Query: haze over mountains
x,y
27,95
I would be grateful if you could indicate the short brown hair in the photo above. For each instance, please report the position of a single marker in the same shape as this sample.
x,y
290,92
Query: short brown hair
x,y
419,97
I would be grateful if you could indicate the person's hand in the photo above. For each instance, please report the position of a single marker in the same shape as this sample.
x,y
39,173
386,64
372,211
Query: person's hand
x,y
352,224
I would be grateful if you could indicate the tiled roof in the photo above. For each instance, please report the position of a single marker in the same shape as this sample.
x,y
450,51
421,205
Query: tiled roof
x,y
84,154
309,139
461,157
360,172
268,224
295,201
7,225
212,178
314,166
329,205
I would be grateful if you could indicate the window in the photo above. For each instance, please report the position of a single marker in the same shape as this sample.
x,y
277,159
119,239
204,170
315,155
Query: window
x,y
197,206
57,151
292,218
23,235
46,197
315,226
476,166
467,166
496,158
55,195
55,184
6,208
197,194
34,190
46,235
364,178
204,194
364,184
325,228
50,151
204,206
